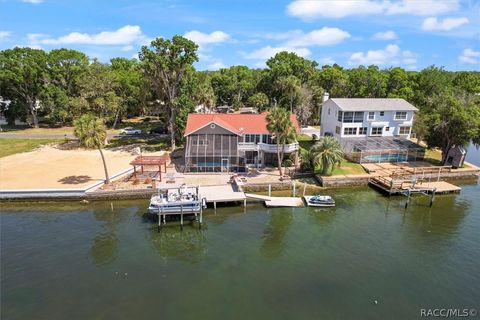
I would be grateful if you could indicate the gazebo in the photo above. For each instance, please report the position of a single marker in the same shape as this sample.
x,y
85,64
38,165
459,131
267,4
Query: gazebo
x,y
142,161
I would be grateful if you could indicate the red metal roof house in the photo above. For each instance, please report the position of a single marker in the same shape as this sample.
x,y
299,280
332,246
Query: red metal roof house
x,y
230,142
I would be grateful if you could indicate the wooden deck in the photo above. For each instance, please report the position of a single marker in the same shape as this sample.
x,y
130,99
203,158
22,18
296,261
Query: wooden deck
x,y
223,193
277,201
439,186
399,186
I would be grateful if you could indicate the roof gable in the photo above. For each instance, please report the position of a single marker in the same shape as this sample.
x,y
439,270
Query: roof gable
x,y
235,123
372,104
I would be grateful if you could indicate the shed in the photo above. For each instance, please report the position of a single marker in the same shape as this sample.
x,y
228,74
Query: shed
x,y
456,156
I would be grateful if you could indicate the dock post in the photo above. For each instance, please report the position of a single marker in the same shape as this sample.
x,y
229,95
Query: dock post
x,y
245,202
432,196
408,199
200,221
111,206
293,187
215,205
181,216
270,190
159,220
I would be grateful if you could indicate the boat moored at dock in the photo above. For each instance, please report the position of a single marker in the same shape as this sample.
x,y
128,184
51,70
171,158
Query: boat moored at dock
x,y
319,201
177,200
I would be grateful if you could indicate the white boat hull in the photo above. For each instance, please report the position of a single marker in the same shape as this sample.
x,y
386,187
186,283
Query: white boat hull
x,y
310,204
161,206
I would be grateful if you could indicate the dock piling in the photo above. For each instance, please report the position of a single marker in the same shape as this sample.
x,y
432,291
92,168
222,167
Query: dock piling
x,y
269,190
181,217
432,196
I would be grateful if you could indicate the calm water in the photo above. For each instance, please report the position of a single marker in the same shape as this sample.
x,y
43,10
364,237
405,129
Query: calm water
x,y
72,261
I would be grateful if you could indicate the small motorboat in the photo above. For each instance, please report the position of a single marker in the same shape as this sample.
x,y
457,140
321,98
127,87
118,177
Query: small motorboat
x,y
319,201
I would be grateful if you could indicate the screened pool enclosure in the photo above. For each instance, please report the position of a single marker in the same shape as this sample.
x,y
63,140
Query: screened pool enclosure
x,y
381,149
213,153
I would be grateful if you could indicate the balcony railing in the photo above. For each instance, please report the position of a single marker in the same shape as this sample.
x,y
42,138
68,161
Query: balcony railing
x,y
247,146
266,147
291,147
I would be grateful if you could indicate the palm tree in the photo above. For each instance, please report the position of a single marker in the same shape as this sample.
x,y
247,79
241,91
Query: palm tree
x,y
91,133
282,129
326,154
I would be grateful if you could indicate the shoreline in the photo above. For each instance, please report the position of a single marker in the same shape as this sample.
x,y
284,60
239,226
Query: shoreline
x,y
146,193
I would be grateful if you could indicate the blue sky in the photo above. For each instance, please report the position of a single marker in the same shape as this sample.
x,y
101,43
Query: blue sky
x,y
408,33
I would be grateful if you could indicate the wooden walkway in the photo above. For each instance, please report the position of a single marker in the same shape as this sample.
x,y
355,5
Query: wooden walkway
x,y
222,193
277,201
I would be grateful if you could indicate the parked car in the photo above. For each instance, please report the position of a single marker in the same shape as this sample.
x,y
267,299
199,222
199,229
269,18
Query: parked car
x,y
159,130
130,131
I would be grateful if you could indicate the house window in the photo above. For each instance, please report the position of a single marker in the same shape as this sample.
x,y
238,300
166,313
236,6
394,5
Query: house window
x,y
404,130
249,138
328,111
387,128
401,115
362,131
371,116
265,138
358,117
382,113
349,131
349,117
377,131
340,115
337,130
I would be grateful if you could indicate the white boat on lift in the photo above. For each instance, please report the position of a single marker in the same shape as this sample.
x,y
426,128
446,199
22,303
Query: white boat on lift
x,y
176,200
319,201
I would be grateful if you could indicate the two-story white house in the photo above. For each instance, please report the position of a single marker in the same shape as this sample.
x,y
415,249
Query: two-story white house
x,y
371,130
362,117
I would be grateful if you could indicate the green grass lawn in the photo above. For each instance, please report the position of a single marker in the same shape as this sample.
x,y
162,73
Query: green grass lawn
x,y
13,146
434,156
146,144
348,167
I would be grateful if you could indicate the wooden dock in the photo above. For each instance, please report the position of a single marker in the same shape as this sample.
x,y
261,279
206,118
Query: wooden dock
x,y
394,186
277,201
221,194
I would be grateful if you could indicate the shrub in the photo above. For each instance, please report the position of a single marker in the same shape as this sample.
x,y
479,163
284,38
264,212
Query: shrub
x,y
136,181
287,163
148,180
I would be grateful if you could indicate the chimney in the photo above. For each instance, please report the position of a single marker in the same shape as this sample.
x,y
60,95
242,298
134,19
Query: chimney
x,y
326,96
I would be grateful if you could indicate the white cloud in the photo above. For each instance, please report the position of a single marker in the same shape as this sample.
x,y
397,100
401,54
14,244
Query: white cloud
x,y
202,39
326,60
310,10
33,1
391,55
127,48
386,35
4,34
321,37
124,36
423,7
269,51
469,56
216,65
447,24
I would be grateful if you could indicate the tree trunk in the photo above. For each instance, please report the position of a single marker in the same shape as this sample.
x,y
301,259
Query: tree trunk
x,y
444,154
116,119
107,179
279,160
33,112
171,128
